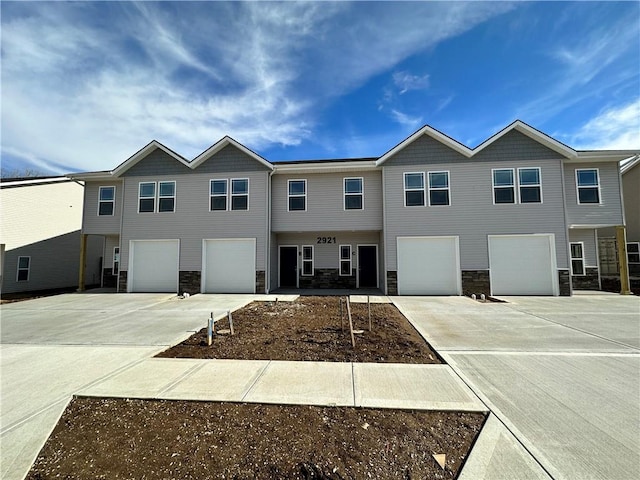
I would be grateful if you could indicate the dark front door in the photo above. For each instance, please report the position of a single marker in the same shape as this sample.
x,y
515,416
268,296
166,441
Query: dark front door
x,y
367,266
288,267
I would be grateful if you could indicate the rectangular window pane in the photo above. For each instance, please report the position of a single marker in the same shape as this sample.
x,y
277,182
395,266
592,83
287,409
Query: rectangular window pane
x,y
529,176
503,177
23,262
219,203
353,185
166,204
414,198
297,187
504,195
218,187
633,257
576,250
345,252
296,203
353,202
307,268
23,275
147,204
413,180
439,197
148,189
167,189
577,267
105,208
438,180
106,193
530,195
239,186
345,268
307,253
588,195
633,247
587,178
240,202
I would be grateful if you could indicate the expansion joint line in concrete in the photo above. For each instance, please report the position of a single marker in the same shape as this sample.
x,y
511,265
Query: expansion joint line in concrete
x,y
171,385
494,410
353,383
258,377
574,328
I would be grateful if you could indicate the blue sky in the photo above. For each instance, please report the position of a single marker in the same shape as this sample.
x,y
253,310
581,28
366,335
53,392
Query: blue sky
x,y
87,84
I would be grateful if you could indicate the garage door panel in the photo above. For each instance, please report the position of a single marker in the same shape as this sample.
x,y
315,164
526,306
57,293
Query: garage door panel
x,y
229,266
522,265
154,265
428,266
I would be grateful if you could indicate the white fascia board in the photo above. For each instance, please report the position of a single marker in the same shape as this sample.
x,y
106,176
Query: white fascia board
x,y
630,164
602,156
328,167
92,176
35,181
142,153
578,226
219,145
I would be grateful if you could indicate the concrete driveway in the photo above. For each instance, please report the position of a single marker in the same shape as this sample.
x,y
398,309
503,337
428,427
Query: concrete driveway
x,y
562,374
53,347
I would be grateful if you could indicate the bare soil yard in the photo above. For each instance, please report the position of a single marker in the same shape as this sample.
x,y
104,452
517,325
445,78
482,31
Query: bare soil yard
x,y
310,329
137,439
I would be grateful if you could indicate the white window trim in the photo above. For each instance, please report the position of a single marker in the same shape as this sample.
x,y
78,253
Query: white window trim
x,y
405,189
539,185
636,253
158,196
312,260
289,195
344,191
572,258
340,260
226,194
113,262
231,194
155,196
494,186
586,186
447,188
113,202
28,269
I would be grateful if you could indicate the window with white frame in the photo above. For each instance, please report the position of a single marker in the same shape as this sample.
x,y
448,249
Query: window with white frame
x,y
577,258
530,185
166,196
147,197
633,252
504,188
24,265
297,195
307,260
439,188
414,189
106,200
218,194
588,185
353,194
116,261
345,260
240,194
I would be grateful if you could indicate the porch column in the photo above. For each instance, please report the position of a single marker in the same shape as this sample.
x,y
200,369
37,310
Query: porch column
x,y
83,261
621,241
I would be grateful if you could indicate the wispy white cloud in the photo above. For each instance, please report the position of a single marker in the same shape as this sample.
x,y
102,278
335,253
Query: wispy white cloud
x,y
616,128
406,81
408,121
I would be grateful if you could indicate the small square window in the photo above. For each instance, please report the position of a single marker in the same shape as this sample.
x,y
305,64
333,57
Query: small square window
x,y
633,252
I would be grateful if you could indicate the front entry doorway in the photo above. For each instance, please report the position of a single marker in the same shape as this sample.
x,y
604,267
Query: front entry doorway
x,y
367,266
288,267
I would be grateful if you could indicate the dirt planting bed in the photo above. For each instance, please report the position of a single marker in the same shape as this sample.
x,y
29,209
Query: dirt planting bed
x,y
310,329
120,438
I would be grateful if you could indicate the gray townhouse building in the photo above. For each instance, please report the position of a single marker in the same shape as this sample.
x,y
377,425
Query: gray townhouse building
x,y
517,215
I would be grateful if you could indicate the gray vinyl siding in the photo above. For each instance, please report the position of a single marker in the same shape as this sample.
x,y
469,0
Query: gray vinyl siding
x,y
230,159
631,186
110,242
191,222
325,203
588,237
472,215
609,211
327,255
158,162
273,272
92,223
512,145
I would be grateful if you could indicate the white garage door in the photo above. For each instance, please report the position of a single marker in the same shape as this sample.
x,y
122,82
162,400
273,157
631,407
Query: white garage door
x,y
523,265
153,265
428,266
229,266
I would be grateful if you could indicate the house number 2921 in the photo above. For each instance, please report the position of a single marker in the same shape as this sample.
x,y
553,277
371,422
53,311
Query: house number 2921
x,y
326,240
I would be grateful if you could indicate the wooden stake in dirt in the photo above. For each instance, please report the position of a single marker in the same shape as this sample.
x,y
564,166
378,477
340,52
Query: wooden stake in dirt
x,y
230,321
353,340
341,317
369,308
441,458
